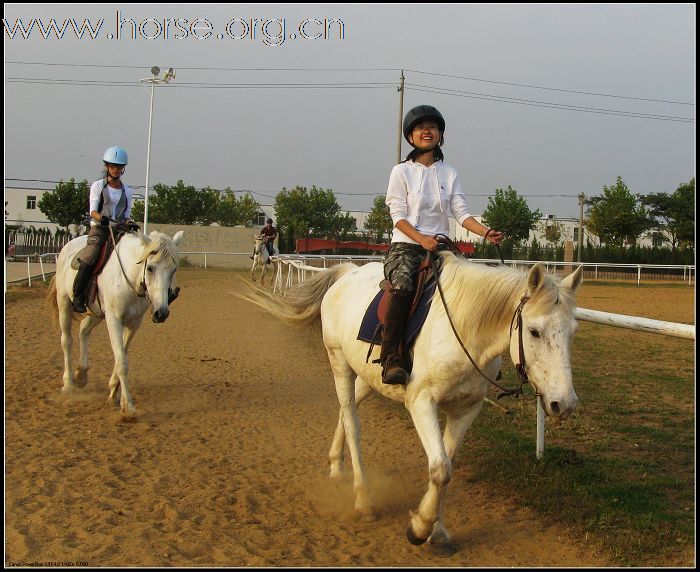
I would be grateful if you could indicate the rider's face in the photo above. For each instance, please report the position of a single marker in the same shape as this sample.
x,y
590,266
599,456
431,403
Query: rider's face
x,y
115,171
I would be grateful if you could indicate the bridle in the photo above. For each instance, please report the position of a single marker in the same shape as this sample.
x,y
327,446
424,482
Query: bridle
x,y
143,294
517,320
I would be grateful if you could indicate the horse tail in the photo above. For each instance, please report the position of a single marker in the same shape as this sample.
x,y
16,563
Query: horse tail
x,y
301,305
52,298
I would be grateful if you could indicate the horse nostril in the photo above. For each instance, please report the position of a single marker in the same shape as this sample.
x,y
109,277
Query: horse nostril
x,y
554,406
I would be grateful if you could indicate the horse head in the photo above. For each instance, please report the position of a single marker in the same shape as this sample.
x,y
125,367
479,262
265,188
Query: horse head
x,y
160,257
542,339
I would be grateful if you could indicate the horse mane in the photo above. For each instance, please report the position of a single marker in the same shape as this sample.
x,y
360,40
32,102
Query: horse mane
x,y
160,246
488,295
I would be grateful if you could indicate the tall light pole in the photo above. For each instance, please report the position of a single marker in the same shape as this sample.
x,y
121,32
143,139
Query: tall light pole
x,y
581,198
170,74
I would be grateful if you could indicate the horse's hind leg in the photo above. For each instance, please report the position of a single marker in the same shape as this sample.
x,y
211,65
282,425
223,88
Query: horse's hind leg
x,y
345,389
86,326
337,453
65,319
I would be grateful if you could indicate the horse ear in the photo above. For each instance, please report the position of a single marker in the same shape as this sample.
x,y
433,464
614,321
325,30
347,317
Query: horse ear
x,y
573,280
145,240
177,239
535,279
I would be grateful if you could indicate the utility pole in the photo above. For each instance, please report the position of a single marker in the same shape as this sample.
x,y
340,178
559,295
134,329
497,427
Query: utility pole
x,y
401,91
581,196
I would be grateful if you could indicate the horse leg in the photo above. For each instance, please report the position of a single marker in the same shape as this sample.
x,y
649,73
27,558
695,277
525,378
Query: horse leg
x,y
114,391
455,428
86,326
65,319
425,418
336,455
121,366
252,268
345,389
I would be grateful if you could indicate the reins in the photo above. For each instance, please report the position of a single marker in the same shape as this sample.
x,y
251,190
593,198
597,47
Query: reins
x,y
517,317
143,281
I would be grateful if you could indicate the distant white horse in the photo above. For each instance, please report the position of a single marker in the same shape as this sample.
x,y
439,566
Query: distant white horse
x,y
484,303
260,257
137,275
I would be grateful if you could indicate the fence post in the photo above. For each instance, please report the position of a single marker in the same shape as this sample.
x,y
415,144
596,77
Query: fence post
x,y
539,449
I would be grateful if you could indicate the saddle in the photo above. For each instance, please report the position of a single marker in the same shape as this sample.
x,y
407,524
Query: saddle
x,y
102,258
372,326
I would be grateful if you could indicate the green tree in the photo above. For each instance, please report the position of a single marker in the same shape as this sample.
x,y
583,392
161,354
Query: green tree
x,y
182,204
67,204
616,217
303,213
378,222
674,215
510,214
233,212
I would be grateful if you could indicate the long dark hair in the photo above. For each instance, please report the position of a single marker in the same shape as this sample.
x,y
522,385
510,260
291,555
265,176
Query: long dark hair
x,y
437,152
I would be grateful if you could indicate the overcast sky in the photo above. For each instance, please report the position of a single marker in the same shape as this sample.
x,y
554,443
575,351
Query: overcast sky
x,y
625,73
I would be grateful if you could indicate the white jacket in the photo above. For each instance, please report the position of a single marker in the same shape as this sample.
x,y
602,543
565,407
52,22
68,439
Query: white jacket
x,y
423,196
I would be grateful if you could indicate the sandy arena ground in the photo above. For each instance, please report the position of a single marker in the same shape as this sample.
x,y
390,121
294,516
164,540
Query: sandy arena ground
x,y
226,464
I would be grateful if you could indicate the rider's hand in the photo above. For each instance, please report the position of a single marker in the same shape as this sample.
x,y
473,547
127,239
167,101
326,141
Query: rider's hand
x,y
132,225
494,236
429,243
104,220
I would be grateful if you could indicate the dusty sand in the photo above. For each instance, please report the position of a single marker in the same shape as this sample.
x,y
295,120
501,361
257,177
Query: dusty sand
x,y
226,464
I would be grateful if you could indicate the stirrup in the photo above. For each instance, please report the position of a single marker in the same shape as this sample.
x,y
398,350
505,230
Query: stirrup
x,y
79,304
173,294
399,375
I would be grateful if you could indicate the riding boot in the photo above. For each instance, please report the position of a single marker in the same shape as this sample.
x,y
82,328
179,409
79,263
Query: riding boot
x,y
391,356
172,294
80,284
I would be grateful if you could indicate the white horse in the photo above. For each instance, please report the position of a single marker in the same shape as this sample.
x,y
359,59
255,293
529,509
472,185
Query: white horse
x,y
138,273
260,256
484,303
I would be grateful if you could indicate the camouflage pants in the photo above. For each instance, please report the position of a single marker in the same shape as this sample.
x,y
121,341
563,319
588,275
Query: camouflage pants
x,y
97,236
401,264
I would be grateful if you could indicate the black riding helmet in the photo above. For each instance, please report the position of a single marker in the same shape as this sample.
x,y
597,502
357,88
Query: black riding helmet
x,y
421,113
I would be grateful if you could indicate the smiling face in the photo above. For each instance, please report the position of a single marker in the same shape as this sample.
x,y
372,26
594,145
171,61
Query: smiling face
x,y
425,135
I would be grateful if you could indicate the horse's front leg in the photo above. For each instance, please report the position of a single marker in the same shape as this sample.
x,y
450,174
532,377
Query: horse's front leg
x,y
458,422
86,326
121,365
425,418
336,455
129,332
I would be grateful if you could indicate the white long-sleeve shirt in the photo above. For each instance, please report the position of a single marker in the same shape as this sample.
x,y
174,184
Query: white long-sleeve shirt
x,y
114,195
423,196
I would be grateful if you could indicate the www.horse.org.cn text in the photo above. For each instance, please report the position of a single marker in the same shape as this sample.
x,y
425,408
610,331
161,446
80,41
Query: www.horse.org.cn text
x,y
268,31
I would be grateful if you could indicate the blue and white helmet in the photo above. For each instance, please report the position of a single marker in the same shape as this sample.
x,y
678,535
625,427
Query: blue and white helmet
x,y
115,156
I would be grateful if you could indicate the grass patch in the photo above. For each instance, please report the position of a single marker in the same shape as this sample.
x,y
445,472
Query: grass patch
x,y
621,470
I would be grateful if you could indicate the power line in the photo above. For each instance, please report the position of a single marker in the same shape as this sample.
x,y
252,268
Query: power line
x,y
546,104
308,69
550,88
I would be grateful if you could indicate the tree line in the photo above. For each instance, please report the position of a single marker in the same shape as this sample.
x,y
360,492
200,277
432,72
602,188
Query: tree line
x,y
616,218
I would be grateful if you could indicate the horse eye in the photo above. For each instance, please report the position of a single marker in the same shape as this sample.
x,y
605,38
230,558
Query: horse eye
x,y
534,333
149,268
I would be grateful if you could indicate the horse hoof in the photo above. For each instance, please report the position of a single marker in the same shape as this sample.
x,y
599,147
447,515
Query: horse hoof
x,y
443,550
413,539
367,515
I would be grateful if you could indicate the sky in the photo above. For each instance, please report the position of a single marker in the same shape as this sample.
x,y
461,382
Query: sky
x,y
553,100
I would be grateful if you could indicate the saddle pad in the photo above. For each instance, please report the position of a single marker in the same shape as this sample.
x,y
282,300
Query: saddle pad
x,y
415,322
